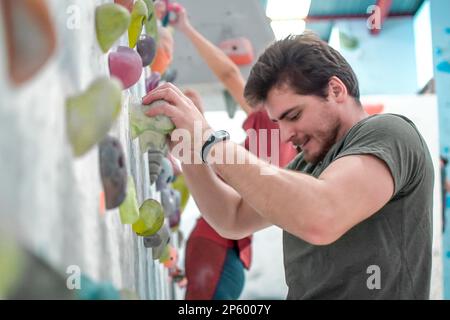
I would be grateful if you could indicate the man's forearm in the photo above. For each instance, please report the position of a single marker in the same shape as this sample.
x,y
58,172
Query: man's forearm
x,y
217,201
273,192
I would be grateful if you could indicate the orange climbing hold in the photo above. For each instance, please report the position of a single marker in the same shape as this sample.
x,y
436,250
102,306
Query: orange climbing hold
x,y
374,108
239,50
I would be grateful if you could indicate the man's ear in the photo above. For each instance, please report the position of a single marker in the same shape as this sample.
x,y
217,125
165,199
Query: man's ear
x,y
337,90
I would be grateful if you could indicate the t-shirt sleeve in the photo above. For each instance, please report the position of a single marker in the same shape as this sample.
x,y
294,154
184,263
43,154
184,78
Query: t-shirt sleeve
x,y
394,140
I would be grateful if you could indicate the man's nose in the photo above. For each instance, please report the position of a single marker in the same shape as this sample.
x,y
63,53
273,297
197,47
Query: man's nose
x,y
286,133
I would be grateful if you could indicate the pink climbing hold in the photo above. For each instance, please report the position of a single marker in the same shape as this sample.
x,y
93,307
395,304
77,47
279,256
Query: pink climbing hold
x,y
125,3
126,65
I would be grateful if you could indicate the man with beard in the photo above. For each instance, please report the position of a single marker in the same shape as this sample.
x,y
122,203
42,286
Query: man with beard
x,y
356,203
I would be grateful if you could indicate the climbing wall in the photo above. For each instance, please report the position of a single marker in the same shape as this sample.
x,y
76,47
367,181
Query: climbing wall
x,y
50,200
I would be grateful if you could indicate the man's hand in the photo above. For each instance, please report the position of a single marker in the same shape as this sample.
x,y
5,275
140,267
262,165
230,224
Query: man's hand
x,y
183,113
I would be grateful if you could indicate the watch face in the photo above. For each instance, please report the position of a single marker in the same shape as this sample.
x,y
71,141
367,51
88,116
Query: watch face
x,y
221,134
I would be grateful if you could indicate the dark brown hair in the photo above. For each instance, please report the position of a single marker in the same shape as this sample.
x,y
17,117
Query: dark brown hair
x,y
305,63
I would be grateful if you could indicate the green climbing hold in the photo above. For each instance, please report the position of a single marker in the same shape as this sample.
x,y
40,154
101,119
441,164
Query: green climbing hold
x,y
138,16
139,122
164,235
151,25
111,21
152,140
230,104
129,210
151,218
91,114
165,254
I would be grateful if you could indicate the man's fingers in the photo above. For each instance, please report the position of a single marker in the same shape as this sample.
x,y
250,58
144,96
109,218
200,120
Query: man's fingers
x,y
163,109
164,93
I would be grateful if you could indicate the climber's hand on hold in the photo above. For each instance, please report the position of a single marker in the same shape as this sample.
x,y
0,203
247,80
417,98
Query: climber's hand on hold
x,y
184,114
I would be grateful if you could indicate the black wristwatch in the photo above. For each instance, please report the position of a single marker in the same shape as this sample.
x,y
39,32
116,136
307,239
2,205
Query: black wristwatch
x,y
215,137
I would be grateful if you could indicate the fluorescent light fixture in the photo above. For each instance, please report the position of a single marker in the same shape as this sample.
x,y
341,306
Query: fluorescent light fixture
x,y
283,28
287,9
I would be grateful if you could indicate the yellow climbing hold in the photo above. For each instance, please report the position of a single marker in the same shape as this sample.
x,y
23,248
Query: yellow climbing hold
x,y
151,218
138,16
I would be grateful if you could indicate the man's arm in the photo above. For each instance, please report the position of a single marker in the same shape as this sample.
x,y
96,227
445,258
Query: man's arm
x,y
219,63
221,206
317,210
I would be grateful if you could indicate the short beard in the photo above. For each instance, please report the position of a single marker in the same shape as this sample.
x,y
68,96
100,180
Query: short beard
x,y
328,143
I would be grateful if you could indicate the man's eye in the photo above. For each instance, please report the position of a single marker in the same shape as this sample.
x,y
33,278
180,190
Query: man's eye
x,y
294,117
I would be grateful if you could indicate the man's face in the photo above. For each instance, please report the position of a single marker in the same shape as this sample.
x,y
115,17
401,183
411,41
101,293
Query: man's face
x,y
309,122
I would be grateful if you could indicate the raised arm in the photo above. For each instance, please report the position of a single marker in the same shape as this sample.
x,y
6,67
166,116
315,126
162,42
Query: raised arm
x,y
219,63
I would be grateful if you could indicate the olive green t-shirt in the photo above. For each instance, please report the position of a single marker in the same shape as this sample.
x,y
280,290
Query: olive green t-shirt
x,y
388,255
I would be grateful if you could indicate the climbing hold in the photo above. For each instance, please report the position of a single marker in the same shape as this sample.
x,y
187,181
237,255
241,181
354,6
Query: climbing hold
x,y
152,140
129,209
348,41
111,21
90,114
162,60
152,241
164,51
126,4
113,171
373,108
91,290
443,66
170,75
180,185
151,218
175,218
170,261
174,221
166,175
126,65
239,50
155,157
151,25
230,104
146,47
12,265
152,81
139,122
168,202
30,37
139,14
165,238
165,254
